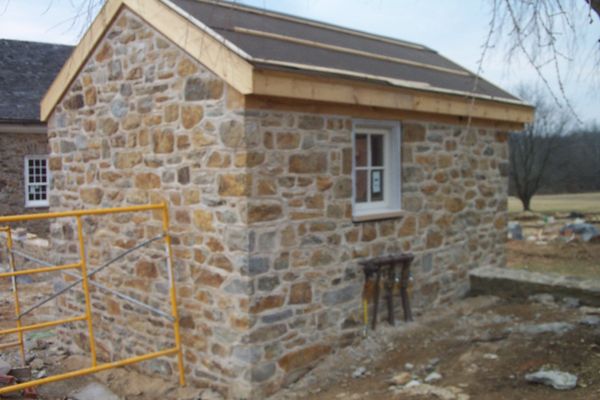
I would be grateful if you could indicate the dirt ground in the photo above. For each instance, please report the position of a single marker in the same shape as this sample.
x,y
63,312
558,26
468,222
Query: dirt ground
x,y
482,348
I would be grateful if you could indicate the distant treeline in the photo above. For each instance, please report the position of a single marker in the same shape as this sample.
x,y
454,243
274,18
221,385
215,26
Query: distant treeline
x,y
574,163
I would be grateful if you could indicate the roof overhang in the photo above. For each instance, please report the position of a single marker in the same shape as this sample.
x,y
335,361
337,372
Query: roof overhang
x,y
270,79
22,126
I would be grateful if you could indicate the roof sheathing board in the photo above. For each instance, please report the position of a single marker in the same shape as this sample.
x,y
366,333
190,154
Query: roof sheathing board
x,y
225,18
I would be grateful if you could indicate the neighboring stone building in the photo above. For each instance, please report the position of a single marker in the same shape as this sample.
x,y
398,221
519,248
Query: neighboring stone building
x,y
287,150
26,71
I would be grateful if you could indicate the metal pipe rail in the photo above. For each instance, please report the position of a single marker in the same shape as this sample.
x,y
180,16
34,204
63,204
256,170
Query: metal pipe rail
x,y
85,281
101,286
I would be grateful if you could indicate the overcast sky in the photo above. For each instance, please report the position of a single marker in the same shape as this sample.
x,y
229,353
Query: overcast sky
x,y
455,28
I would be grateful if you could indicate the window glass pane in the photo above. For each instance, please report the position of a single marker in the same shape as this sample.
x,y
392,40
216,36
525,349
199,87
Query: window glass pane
x,y
377,150
360,150
361,186
377,185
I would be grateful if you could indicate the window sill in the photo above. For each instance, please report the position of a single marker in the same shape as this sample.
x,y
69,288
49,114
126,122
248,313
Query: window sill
x,y
378,215
41,205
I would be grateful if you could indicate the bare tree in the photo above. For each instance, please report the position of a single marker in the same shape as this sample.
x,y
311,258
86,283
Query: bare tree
x,y
532,149
546,33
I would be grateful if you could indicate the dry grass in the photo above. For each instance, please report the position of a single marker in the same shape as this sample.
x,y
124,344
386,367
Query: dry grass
x,y
560,203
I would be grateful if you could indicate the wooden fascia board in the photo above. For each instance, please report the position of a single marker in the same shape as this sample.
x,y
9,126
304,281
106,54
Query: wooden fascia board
x,y
254,102
350,92
201,45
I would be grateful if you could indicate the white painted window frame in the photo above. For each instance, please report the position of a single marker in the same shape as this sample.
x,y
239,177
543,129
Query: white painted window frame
x,y
35,203
392,190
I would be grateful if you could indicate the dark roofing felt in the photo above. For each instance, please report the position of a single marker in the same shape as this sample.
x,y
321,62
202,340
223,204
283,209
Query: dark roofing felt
x,y
248,29
26,71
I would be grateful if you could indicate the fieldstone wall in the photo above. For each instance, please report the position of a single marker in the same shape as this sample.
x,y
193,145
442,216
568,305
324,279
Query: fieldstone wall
x,y
305,247
13,149
145,123
260,202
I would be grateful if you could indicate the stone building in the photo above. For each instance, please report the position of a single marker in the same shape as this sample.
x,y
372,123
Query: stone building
x,y
287,150
26,71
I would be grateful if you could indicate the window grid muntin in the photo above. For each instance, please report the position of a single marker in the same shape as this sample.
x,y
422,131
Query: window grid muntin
x,y
369,168
36,181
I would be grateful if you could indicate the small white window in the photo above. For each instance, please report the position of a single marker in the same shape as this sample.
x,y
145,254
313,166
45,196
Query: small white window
x,y
36,181
376,172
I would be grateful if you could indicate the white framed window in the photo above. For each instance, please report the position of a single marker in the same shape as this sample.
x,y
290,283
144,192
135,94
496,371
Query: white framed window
x,y
376,169
37,179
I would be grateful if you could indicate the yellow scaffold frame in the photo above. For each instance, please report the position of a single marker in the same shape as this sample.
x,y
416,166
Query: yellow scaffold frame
x,y
85,281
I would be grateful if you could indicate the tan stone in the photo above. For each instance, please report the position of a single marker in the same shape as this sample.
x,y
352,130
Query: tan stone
x,y
203,220
266,187
55,163
264,212
413,133
204,277
147,181
127,160
303,358
300,293
317,201
163,141
408,227
324,183
235,184
287,140
186,68
199,139
191,116
308,164
146,269
454,204
214,245
171,112
90,96
434,239
444,160
91,195
267,303
105,53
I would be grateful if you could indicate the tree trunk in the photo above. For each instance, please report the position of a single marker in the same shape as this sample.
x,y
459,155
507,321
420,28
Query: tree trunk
x,y
526,201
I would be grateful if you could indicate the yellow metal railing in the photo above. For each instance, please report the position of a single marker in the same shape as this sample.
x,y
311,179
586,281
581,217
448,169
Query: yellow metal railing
x,y
85,282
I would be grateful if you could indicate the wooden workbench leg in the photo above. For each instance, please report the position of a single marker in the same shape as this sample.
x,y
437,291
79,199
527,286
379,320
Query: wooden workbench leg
x,y
389,285
376,298
404,292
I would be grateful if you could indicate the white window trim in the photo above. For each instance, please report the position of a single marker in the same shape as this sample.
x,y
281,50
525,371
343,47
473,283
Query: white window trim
x,y
392,204
35,203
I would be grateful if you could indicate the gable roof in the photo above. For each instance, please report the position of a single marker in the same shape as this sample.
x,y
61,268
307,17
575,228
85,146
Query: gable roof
x,y
26,71
278,40
275,55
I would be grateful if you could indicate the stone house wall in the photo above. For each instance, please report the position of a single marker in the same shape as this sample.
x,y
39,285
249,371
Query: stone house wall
x,y
260,202
13,149
305,247
145,123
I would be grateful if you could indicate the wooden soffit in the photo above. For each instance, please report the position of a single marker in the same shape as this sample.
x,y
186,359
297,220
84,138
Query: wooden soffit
x,y
276,83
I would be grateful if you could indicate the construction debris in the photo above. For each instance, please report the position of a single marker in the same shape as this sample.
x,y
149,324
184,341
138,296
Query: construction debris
x,y
557,379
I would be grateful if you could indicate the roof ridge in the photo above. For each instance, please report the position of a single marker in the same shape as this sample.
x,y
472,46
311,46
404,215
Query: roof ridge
x,y
315,23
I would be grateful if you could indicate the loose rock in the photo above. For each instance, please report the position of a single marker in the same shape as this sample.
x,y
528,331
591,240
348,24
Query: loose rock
x,y
433,377
4,367
557,379
401,379
359,372
94,391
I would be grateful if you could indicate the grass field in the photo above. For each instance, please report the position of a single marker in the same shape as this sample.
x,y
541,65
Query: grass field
x,y
582,202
